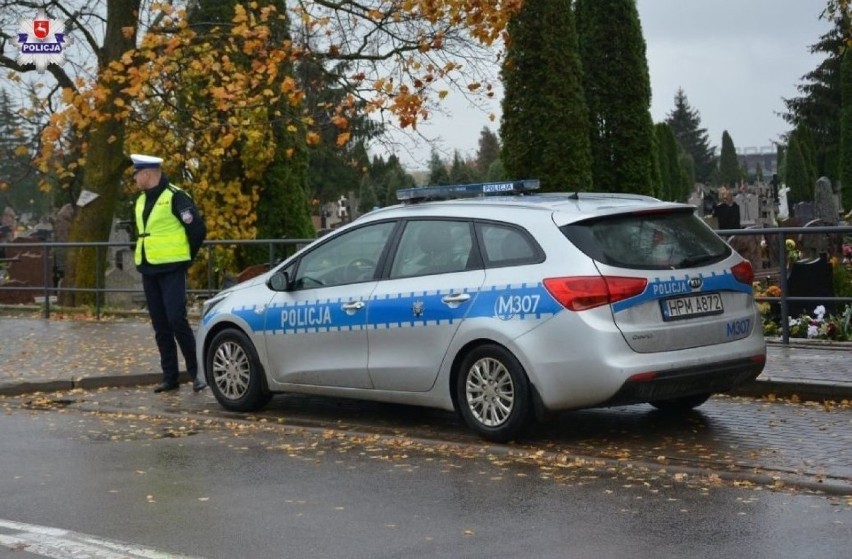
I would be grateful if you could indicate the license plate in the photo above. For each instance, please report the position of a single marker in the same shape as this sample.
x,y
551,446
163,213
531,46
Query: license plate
x,y
690,306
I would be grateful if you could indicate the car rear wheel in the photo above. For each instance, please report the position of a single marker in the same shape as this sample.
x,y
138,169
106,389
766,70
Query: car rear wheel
x,y
493,393
234,372
677,405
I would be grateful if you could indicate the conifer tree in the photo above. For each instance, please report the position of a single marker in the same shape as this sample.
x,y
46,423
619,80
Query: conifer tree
x,y
489,151
367,198
796,174
846,133
618,94
390,176
438,173
686,124
729,166
545,126
461,172
17,178
674,179
819,105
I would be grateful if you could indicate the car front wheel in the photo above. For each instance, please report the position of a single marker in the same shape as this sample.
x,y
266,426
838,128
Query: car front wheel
x,y
234,372
493,393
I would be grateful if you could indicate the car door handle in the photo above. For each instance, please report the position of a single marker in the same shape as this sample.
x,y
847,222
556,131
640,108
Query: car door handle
x,y
353,306
455,299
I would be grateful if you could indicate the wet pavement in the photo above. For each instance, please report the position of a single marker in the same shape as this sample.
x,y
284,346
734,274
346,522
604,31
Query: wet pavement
x,y
792,426
161,478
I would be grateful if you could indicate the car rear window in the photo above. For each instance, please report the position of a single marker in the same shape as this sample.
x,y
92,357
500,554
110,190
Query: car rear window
x,y
651,240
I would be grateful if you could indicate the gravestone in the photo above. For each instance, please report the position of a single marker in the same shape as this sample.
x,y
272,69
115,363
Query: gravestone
x,y
26,270
749,209
697,199
9,219
810,278
116,278
825,204
804,212
122,272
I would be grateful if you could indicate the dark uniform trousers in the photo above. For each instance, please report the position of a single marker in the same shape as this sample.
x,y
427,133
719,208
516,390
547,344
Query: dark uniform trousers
x,y
166,297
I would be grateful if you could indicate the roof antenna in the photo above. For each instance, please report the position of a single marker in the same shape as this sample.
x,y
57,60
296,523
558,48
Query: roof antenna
x,y
575,196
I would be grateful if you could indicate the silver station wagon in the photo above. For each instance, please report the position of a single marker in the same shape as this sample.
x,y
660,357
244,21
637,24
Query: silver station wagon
x,y
498,302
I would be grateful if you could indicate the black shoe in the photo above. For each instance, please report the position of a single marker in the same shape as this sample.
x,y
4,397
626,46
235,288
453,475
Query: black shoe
x,y
198,384
166,387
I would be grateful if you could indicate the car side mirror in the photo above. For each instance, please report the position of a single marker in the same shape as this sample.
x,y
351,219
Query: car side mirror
x,y
279,281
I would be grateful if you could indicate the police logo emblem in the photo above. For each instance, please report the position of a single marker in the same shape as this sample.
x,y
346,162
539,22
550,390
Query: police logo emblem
x,y
41,41
186,216
417,308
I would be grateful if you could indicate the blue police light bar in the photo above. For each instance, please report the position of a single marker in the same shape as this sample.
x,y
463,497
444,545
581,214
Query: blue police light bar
x,y
445,192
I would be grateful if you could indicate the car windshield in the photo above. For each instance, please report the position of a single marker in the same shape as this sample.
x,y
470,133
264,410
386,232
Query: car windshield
x,y
653,240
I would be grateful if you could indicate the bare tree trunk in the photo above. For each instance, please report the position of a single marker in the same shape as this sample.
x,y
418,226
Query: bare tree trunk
x,y
105,159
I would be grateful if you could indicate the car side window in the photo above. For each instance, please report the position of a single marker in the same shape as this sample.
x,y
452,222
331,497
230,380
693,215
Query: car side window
x,y
507,246
433,247
350,257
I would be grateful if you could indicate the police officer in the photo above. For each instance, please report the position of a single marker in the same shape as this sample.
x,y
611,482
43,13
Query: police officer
x,y
170,233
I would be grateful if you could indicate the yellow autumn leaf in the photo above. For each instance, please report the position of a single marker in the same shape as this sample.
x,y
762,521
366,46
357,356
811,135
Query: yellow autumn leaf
x,y
342,138
288,85
312,138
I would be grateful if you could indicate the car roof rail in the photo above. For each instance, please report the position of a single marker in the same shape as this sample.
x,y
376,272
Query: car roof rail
x,y
477,190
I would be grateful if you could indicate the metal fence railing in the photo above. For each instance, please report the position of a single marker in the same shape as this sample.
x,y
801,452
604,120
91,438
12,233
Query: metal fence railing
x,y
51,253
277,248
780,236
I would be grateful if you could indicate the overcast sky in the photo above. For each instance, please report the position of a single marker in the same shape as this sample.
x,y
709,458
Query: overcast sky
x,y
735,60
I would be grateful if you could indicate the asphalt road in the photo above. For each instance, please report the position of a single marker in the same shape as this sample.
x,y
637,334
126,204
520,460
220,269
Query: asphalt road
x,y
126,470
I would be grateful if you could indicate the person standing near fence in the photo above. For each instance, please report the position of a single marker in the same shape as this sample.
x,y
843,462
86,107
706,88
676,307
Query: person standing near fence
x,y
170,233
727,212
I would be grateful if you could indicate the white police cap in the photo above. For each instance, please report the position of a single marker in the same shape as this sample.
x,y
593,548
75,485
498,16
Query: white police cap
x,y
145,161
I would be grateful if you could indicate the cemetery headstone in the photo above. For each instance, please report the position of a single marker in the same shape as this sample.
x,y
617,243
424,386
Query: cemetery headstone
x,y
825,205
810,278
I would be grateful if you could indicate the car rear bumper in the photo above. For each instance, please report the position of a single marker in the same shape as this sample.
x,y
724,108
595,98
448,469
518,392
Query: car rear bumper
x,y
689,381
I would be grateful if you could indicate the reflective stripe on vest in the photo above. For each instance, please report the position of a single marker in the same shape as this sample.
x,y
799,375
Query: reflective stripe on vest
x,y
163,236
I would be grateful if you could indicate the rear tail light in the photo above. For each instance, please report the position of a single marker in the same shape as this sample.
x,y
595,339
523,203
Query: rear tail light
x,y
587,292
743,272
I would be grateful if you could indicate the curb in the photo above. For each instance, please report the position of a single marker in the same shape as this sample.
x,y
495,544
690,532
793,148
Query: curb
x,y
86,383
805,391
22,388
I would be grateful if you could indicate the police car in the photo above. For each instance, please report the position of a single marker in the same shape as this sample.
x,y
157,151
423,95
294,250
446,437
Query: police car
x,y
496,301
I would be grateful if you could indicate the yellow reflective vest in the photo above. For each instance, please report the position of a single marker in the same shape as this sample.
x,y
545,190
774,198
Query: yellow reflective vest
x,y
162,237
